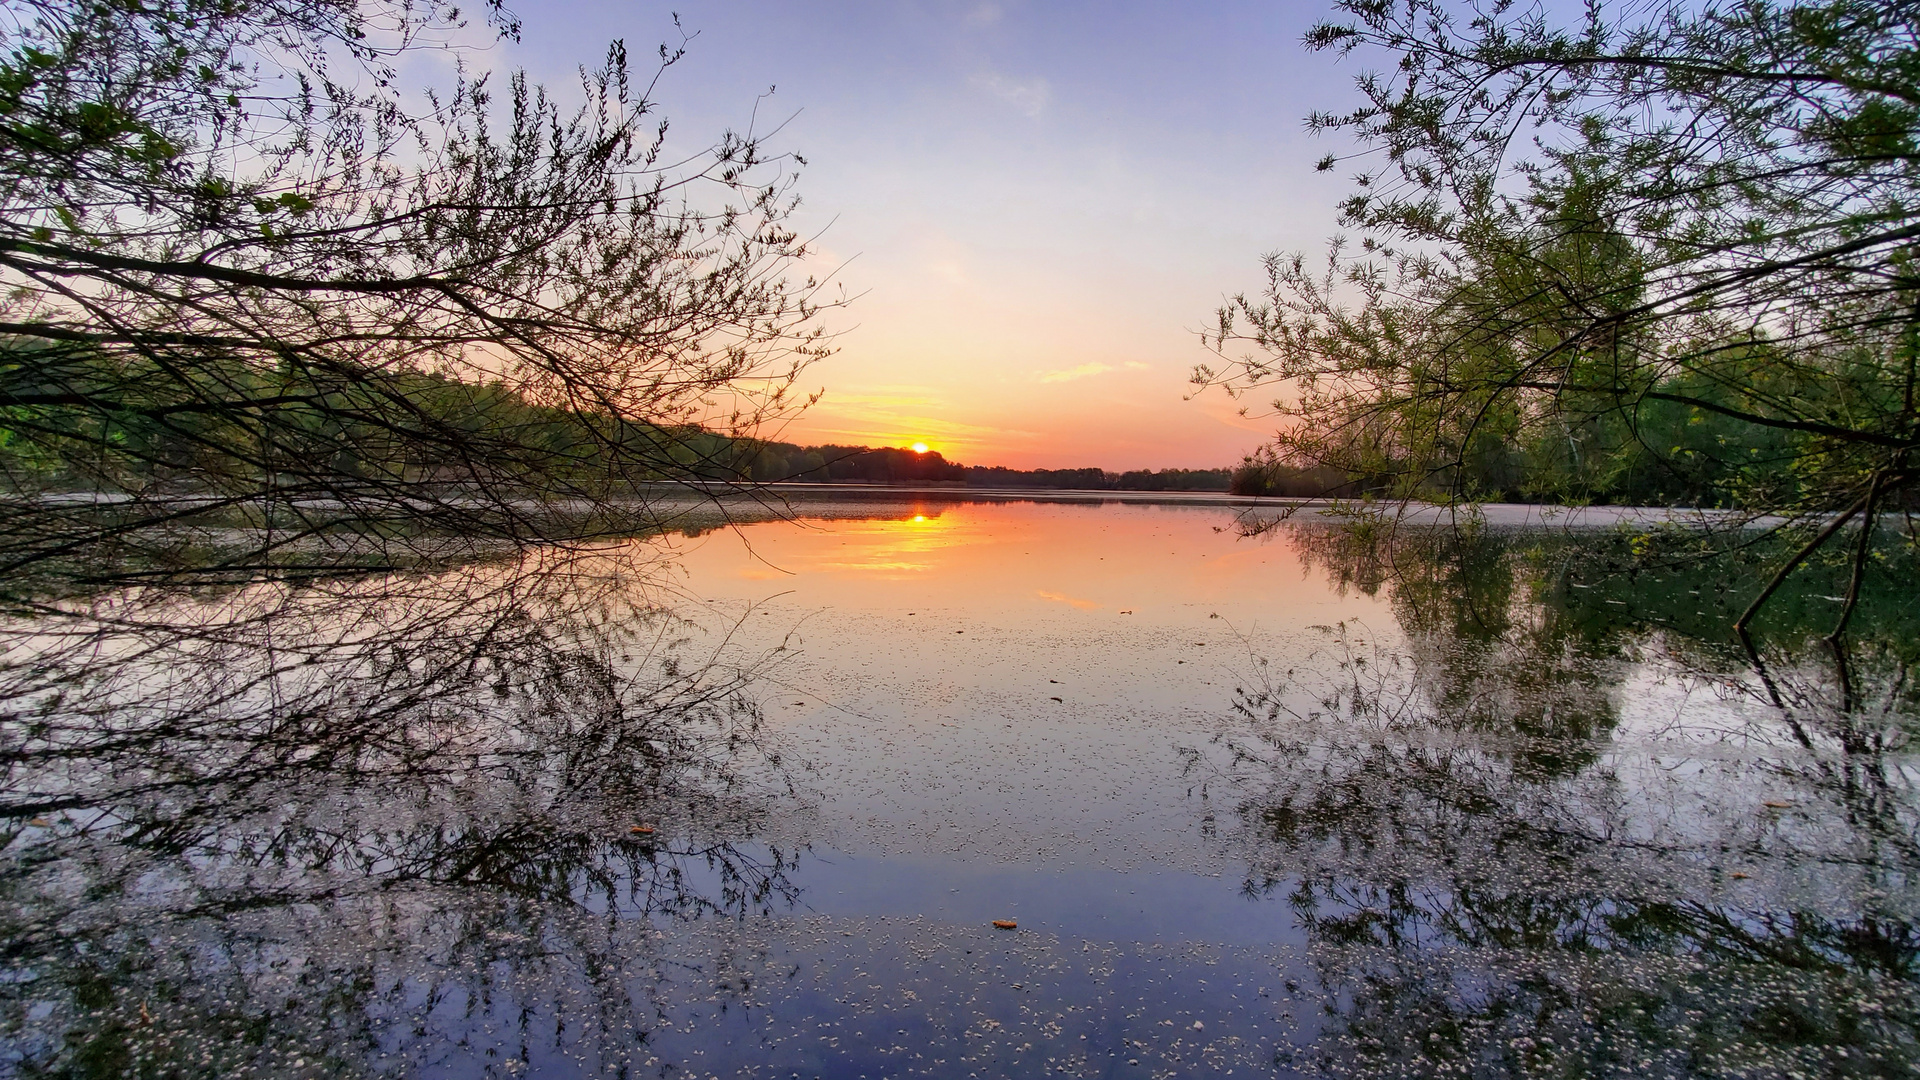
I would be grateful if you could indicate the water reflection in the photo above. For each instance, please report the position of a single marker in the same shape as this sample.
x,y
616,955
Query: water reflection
x,y
1513,810
351,825
1549,833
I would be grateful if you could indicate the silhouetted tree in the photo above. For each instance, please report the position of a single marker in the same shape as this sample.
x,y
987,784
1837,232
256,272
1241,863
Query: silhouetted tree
x,y
245,279
1660,254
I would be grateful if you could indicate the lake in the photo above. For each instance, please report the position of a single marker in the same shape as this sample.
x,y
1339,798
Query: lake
x,y
1254,796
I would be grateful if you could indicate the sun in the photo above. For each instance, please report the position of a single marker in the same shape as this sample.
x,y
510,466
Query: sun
x,y
919,448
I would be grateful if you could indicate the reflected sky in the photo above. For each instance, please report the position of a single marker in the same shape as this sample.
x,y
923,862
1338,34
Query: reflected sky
x,y
1008,682
1159,564
748,802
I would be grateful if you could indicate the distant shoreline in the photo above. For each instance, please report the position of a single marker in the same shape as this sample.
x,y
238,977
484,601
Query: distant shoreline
x,y
1497,515
791,499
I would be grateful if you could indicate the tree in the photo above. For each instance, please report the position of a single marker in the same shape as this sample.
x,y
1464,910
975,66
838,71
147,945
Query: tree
x,y
250,279
1676,258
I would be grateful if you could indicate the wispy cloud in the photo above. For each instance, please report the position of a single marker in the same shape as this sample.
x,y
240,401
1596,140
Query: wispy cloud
x,y
895,416
950,271
1028,95
1135,365
984,14
1072,373
1071,601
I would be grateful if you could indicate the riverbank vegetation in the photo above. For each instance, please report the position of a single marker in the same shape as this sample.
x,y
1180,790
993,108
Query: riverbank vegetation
x,y
1445,815
1660,255
250,275
756,461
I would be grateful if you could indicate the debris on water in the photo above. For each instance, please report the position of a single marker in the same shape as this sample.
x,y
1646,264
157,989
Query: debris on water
x,y
1774,804
1198,1026
1057,699
39,822
640,830
1005,924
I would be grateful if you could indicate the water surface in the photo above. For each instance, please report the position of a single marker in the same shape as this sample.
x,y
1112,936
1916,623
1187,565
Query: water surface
x,y
1321,800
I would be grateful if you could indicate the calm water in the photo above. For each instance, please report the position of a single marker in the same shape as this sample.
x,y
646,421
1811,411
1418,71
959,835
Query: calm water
x,y
1317,801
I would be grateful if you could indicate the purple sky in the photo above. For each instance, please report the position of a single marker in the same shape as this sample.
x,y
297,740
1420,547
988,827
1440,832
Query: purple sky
x,y
1042,202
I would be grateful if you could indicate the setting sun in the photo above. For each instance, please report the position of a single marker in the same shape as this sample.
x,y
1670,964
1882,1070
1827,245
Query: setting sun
x,y
919,448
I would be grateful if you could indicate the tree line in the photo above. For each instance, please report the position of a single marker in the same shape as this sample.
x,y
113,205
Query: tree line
x,y
54,438
1665,256
1664,253
240,260
773,462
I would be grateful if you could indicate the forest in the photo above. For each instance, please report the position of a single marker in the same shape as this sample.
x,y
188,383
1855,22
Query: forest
x,y
1659,256
95,422
778,461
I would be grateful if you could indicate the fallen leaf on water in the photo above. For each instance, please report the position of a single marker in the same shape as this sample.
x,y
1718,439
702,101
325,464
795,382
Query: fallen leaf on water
x,y
39,822
1005,924
640,830
1776,805
1737,875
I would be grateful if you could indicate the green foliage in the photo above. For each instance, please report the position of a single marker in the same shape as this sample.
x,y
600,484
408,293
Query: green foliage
x,y
1667,258
786,462
241,268
1265,472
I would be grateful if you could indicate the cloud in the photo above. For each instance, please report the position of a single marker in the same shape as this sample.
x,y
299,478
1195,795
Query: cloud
x,y
1072,601
896,415
889,397
949,271
1072,373
1135,365
984,14
1028,95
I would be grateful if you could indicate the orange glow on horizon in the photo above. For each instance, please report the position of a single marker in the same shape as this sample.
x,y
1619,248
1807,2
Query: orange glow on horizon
x,y
1204,433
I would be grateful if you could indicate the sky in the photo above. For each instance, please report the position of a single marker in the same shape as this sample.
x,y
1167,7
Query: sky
x,y
1035,206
